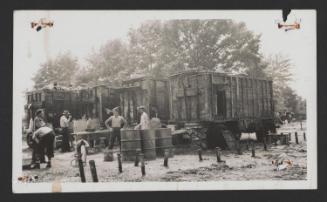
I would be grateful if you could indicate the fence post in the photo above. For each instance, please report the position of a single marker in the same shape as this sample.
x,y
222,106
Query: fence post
x,y
296,138
120,168
218,153
166,158
136,163
253,148
304,137
81,170
93,171
142,164
200,154
238,147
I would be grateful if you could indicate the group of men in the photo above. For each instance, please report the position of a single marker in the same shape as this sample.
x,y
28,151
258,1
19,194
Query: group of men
x,y
43,136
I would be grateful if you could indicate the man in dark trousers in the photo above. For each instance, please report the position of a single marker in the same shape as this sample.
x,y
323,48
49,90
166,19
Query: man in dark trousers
x,y
43,138
64,124
37,154
115,122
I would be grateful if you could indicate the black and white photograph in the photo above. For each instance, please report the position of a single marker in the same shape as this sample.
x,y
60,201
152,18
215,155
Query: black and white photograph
x,y
164,100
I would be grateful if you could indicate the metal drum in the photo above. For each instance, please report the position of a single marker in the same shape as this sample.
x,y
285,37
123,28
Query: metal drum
x,y
148,144
164,141
130,142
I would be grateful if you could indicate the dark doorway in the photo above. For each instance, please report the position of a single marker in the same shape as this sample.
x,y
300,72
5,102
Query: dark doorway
x,y
221,103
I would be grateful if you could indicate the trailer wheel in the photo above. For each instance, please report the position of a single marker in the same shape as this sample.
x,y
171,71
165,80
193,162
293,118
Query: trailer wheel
x,y
198,137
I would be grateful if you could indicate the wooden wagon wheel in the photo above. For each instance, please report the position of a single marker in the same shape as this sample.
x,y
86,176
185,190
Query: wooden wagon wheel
x,y
198,137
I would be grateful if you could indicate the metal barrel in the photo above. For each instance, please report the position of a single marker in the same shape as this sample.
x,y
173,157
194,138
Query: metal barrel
x,y
164,141
148,143
130,142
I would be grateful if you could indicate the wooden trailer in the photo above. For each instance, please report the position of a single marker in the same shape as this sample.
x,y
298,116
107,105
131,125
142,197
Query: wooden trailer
x,y
221,103
146,91
96,99
52,101
88,101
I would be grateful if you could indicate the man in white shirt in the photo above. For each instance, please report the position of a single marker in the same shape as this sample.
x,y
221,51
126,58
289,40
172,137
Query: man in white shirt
x,y
64,124
144,121
115,122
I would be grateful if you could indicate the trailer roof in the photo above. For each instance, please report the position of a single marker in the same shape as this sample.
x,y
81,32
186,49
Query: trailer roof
x,y
144,78
192,72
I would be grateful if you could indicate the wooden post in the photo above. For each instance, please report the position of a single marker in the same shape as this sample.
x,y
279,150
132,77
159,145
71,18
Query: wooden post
x,y
304,137
200,154
93,171
296,138
253,148
218,153
81,170
100,105
166,158
238,147
290,136
119,163
142,164
136,163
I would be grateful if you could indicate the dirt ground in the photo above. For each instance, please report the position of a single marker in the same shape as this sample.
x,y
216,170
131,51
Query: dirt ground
x,y
185,166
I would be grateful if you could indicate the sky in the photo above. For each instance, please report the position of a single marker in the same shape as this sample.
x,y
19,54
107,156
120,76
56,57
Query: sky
x,y
82,32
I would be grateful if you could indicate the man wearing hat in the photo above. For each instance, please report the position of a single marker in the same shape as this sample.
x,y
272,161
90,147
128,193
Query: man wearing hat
x,y
116,122
38,120
64,124
144,120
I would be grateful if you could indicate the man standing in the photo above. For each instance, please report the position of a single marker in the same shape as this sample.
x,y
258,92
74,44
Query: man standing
x,y
115,122
144,121
64,124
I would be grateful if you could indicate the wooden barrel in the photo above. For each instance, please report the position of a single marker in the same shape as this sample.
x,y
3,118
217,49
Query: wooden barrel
x,y
148,139
130,142
164,141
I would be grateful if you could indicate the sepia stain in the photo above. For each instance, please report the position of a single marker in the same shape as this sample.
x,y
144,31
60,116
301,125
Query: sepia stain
x,y
56,186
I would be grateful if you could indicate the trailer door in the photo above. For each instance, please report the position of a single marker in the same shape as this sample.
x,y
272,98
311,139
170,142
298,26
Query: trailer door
x,y
221,103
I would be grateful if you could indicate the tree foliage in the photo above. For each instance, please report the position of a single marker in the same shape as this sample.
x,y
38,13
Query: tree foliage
x,y
176,45
278,69
110,63
61,69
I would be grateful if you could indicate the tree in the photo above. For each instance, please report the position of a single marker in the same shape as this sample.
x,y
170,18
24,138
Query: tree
x,y
161,48
110,63
176,45
290,99
61,69
278,69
